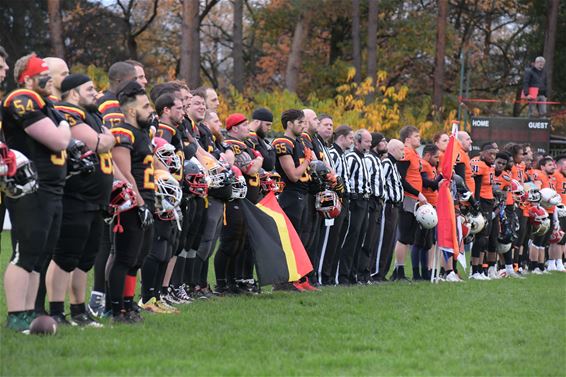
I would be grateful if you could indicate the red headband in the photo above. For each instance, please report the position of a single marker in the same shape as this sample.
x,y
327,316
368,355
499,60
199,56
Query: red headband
x,y
35,67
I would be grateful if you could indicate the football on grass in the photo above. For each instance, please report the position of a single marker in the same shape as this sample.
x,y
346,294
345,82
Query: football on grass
x,y
43,325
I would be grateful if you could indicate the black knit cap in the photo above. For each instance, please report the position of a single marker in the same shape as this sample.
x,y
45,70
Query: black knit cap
x,y
376,138
73,81
262,114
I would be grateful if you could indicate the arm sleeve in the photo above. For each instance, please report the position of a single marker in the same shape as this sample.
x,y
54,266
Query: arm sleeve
x,y
460,169
402,167
477,180
428,183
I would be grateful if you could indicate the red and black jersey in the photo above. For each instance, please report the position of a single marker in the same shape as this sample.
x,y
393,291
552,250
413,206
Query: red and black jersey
x,y
20,109
295,148
243,159
94,189
109,108
139,144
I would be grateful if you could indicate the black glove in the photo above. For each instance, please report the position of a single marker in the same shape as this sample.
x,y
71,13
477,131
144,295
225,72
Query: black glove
x,y
146,217
339,186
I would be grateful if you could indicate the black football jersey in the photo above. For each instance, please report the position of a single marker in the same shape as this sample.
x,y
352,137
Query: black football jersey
x,y
243,157
295,148
92,188
109,109
267,151
139,144
20,109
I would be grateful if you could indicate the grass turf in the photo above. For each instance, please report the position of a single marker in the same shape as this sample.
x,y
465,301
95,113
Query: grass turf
x,y
506,327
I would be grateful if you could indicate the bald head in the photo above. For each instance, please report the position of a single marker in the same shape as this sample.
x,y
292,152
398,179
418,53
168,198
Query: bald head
x,y
465,140
311,120
119,74
396,149
58,70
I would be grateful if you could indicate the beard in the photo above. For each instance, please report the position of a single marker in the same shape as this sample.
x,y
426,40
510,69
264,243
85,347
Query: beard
x,y
260,133
143,123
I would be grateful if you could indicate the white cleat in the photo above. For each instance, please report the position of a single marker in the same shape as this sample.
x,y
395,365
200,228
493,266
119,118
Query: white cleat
x,y
477,276
537,271
560,265
492,273
551,266
452,277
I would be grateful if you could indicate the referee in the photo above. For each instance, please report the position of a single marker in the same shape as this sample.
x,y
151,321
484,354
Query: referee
x,y
373,232
393,196
360,192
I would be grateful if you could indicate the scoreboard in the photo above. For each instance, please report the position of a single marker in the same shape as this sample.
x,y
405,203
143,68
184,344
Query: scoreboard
x,y
502,130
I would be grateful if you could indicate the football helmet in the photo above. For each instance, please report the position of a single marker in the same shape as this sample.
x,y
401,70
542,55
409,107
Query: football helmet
x,y
23,181
539,220
464,225
122,197
80,159
279,184
561,210
196,181
267,184
319,172
239,187
165,153
517,190
426,216
502,248
328,204
476,221
549,198
557,234
168,195
8,164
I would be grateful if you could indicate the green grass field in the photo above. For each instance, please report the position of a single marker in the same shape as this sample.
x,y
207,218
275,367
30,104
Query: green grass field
x,y
505,327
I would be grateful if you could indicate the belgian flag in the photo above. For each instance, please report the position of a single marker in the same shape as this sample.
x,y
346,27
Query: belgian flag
x,y
279,253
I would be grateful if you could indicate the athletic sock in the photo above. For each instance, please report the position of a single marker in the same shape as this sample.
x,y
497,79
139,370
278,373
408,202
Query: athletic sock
x,y
116,308
400,272
129,303
475,269
77,309
56,307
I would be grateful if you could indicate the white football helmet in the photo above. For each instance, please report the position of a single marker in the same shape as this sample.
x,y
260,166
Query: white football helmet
x,y
561,210
168,195
24,181
477,222
239,187
165,153
426,216
328,204
549,198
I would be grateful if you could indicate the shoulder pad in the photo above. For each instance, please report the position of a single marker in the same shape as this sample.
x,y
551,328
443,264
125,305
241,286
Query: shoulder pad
x,y
73,115
23,101
123,136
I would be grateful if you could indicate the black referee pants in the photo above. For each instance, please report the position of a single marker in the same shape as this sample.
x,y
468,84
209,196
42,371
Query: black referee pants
x,y
385,252
371,238
347,269
331,251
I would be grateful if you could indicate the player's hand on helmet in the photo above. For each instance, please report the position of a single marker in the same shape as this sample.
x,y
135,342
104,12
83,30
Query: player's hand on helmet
x,y
145,215
309,156
422,198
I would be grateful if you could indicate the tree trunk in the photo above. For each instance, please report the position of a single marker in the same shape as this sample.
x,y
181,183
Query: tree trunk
x,y
372,45
56,27
294,61
438,78
550,43
238,47
190,45
132,47
357,55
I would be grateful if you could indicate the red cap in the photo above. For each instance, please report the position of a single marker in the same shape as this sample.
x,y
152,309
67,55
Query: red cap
x,y
34,67
234,120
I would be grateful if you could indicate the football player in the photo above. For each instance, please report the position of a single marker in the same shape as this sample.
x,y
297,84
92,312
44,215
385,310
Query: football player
x,y
133,155
32,126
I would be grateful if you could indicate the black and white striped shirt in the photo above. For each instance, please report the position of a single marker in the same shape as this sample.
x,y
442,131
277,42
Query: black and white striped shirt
x,y
339,164
375,171
359,177
393,188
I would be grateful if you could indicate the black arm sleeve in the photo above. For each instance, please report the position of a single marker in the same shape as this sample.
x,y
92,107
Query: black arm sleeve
x,y
460,169
477,179
428,183
402,167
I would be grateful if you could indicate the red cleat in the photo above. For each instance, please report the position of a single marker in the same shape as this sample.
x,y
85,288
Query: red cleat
x,y
299,286
308,287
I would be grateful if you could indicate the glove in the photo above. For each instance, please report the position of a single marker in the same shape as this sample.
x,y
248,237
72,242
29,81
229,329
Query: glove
x,y
308,154
256,153
146,217
339,186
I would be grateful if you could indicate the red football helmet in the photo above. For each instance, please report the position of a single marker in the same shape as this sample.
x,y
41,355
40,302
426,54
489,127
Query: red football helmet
x,y
122,197
196,181
557,234
266,182
239,187
539,220
517,190
328,204
8,164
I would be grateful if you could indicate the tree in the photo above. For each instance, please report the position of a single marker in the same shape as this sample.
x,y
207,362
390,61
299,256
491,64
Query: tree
x,y
294,61
550,42
438,79
131,30
56,28
190,45
238,77
356,44
372,44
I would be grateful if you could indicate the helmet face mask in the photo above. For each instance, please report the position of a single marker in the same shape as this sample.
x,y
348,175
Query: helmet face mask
x,y
549,198
80,159
239,187
319,172
477,222
328,204
196,181
517,190
122,197
540,222
168,195
165,153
